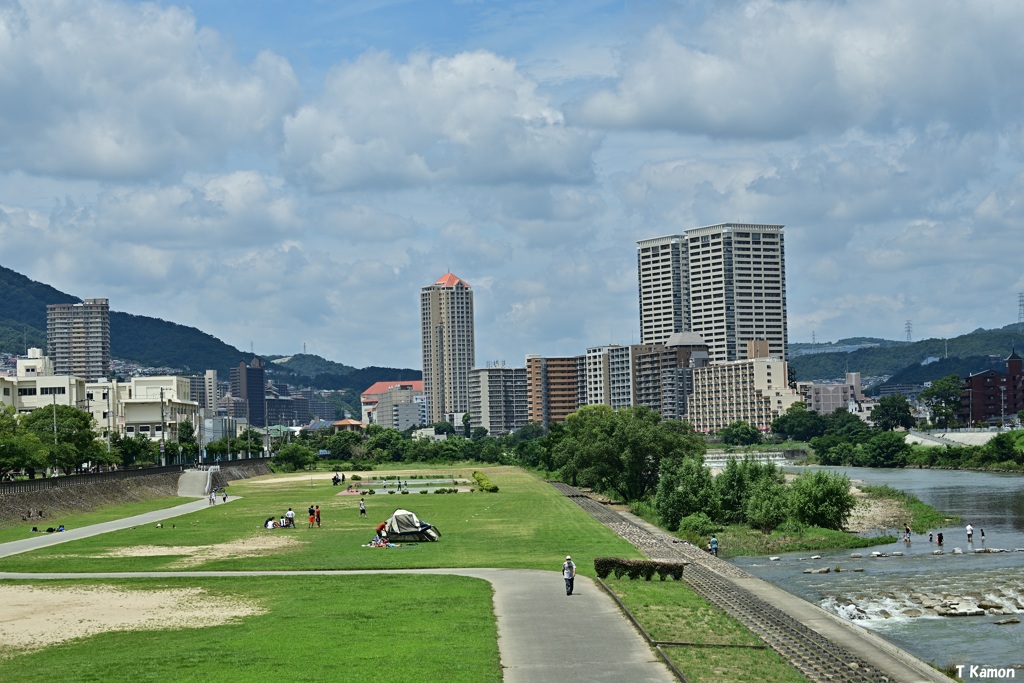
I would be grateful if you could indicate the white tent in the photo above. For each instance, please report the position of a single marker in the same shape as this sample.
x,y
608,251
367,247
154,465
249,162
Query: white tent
x,y
406,526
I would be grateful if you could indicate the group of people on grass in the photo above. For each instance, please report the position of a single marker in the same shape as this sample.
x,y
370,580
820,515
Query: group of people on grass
x,y
287,520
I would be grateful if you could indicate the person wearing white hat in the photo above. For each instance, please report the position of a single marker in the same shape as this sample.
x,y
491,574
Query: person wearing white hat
x,y
568,573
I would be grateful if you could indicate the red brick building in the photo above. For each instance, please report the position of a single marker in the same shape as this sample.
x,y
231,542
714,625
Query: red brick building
x,y
991,397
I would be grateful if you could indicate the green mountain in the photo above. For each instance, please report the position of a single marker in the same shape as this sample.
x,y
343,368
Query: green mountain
x,y
158,343
903,360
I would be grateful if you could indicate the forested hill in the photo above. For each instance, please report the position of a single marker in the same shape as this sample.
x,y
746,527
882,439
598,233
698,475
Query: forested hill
x,y
900,358
158,343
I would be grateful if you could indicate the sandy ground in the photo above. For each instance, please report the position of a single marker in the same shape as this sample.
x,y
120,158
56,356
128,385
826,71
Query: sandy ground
x,y
32,618
191,555
875,514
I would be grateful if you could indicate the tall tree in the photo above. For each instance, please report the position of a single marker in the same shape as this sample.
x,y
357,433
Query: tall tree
x,y
943,398
68,435
740,433
621,451
892,412
799,423
821,499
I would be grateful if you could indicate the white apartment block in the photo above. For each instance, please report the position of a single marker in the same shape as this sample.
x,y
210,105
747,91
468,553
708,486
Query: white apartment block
x,y
78,338
35,386
725,282
609,376
755,390
446,317
150,406
498,399
399,406
661,274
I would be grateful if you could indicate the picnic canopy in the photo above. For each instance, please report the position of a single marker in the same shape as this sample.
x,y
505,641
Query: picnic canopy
x,y
403,525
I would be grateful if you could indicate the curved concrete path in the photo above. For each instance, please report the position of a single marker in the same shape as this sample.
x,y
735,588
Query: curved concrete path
x,y
543,634
43,540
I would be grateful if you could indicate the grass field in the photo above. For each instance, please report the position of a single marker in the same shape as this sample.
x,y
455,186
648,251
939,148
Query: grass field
x,y
358,628
671,612
337,628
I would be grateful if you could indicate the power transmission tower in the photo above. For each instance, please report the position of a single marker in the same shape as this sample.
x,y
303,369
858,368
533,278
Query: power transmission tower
x,y
910,332
1020,312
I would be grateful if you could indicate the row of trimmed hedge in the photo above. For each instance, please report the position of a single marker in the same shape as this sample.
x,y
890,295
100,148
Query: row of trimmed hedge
x,y
484,482
635,569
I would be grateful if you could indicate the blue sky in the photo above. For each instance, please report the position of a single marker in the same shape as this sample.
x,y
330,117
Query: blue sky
x,y
289,173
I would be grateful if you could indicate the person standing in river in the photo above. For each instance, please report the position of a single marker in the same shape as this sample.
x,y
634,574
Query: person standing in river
x,y
970,534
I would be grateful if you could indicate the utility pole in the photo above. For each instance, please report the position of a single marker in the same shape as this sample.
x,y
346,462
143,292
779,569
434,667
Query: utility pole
x,y
163,428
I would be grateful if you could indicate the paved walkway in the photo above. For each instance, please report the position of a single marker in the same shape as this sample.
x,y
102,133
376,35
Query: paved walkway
x,y
43,540
543,634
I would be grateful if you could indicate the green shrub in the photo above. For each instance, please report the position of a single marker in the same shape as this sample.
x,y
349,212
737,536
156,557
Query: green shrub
x,y
356,477
405,492
370,492
635,569
484,482
699,524
424,491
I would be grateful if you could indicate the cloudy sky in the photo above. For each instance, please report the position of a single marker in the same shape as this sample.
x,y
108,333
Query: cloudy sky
x,y
282,173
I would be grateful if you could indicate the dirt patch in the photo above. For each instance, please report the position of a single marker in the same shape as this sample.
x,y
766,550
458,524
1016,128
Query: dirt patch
x,y
191,555
875,514
35,618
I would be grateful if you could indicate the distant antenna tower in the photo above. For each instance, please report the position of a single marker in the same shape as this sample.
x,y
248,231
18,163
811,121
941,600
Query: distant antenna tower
x,y
1020,312
303,348
910,332
814,340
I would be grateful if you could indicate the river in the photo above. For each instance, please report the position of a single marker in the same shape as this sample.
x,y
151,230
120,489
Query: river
x,y
889,590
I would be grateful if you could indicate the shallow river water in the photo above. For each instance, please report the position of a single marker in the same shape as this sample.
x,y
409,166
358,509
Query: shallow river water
x,y
887,588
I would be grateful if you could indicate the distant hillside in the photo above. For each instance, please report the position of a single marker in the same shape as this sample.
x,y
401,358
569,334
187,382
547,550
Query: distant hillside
x,y
898,357
310,365
158,343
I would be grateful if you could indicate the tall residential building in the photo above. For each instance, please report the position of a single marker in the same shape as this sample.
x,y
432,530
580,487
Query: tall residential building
x,y
609,376
497,399
663,373
556,387
661,274
248,384
204,392
78,338
725,282
446,316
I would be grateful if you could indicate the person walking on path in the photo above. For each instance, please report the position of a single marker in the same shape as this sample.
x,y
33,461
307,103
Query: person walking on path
x,y
362,508
970,534
213,497
568,573
312,517
290,516
317,516
714,546
224,492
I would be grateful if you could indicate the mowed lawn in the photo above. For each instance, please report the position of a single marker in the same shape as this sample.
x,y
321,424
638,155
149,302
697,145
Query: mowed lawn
x,y
356,627
527,524
352,628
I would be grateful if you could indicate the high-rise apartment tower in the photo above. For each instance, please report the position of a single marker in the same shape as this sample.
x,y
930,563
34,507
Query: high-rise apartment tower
x,y
78,338
725,282
446,317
